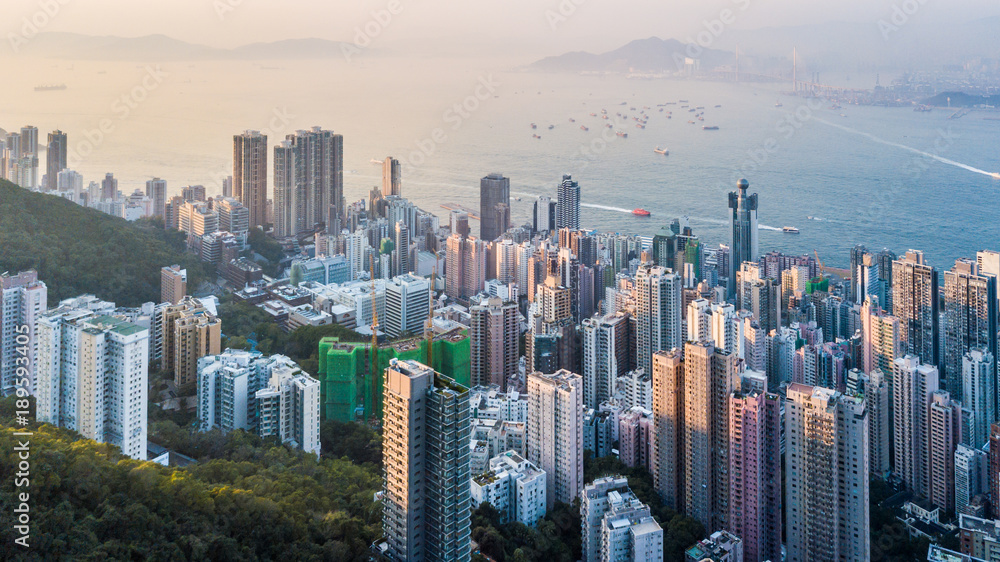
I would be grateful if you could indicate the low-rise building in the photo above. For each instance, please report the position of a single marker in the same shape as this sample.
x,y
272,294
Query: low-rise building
x,y
514,486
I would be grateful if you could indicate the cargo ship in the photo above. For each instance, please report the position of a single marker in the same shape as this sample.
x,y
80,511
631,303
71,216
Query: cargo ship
x,y
640,212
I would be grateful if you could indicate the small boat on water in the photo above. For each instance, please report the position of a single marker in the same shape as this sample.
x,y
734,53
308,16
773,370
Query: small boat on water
x,y
571,120
710,128
533,126
718,106
790,230
622,134
584,128
376,161
535,137
50,87
662,151
778,104
640,212
552,127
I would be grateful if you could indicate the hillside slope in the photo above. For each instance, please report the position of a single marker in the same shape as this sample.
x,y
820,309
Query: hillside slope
x,y
79,250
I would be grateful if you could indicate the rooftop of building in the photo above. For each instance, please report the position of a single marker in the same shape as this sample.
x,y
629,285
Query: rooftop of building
x,y
116,325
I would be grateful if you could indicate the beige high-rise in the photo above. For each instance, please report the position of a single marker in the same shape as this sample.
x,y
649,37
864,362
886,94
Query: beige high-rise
x,y
173,284
190,332
668,422
709,378
826,476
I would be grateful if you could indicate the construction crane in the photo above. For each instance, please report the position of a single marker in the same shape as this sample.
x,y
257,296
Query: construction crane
x,y
822,268
373,353
429,325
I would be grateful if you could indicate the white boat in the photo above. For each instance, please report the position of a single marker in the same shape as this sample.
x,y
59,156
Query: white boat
x,y
374,161
790,230
662,151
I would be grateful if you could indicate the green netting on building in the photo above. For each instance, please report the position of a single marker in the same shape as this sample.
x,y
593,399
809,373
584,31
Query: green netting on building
x,y
345,384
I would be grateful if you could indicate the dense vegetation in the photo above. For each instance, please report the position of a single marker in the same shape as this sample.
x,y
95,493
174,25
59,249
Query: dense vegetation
x,y
246,500
241,320
78,250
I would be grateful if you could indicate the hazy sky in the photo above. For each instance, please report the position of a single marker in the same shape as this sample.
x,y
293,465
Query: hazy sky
x,y
516,25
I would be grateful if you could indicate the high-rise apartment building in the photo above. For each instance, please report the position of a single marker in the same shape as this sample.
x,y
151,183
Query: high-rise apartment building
x,y
606,346
881,343
427,497
55,158
156,190
109,187
288,406
915,303
668,427
250,174
392,183
555,432
826,476
92,377
543,216
233,217
308,182
190,331
970,319
944,434
514,486
407,305
971,477
568,204
494,206
979,392
465,274
24,300
493,337
227,388
658,313
913,384
743,227
876,391
755,473
710,377
173,284
616,525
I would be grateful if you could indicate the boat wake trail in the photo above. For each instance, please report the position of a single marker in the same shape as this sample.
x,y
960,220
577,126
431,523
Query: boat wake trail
x,y
606,208
932,156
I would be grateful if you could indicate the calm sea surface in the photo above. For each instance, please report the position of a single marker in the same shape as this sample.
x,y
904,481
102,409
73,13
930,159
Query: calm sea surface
x,y
881,177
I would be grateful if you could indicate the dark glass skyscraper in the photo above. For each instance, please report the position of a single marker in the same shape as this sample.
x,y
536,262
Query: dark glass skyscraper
x,y
494,206
568,205
744,231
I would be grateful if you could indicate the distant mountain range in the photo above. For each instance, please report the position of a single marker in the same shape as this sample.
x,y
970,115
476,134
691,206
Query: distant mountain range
x,y
653,55
75,46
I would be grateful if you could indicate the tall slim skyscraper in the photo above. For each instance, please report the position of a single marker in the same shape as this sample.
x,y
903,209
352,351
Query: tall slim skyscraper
x,y
877,403
250,174
743,227
568,204
392,183
913,384
915,303
544,215
970,318
826,475
55,158
710,377
401,252
880,333
605,356
668,422
24,300
308,181
109,187
755,473
494,206
944,427
493,337
427,501
979,392
658,313
555,432
156,190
